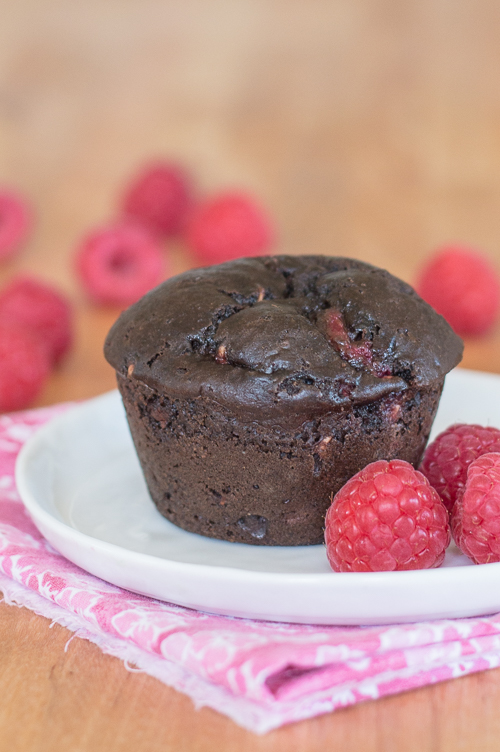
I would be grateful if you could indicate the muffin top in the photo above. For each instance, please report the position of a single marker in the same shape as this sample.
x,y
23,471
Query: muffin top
x,y
272,335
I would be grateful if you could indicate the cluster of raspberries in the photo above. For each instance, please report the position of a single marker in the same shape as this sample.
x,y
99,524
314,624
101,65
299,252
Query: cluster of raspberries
x,y
392,517
119,263
116,264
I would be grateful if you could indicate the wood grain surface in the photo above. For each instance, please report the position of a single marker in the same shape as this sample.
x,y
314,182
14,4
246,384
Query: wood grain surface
x,y
369,128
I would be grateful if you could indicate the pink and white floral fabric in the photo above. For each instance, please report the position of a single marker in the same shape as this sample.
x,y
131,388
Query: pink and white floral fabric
x,y
260,674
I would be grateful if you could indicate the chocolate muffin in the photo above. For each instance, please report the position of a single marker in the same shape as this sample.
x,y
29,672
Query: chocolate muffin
x,y
255,389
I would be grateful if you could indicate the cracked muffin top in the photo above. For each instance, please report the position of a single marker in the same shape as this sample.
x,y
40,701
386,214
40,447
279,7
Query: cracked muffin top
x,y
268,336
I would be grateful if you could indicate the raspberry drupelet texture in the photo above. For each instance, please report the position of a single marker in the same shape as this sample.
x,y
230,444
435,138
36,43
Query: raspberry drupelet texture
x,y
24,366
118,265
463,286
475,519
160,197
229,226
15,222
386,518
447,458
40,308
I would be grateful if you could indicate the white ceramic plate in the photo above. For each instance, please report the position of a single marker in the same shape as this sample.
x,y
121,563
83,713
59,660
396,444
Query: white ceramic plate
x,y
80,480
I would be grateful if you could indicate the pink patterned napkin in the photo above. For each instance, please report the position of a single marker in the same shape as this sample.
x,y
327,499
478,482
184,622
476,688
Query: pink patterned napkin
x,y
260,674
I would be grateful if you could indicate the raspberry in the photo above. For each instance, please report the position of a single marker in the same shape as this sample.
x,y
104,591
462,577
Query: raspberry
x,y
40,308
387,517
462,286
475,519
359,355
15,221
118,265
447,459
227,227
24,366
159,197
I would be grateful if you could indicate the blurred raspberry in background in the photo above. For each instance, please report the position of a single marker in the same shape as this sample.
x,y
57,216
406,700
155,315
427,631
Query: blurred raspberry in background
x,y
37,306
160,196
15,222
119,264
228,226
463,286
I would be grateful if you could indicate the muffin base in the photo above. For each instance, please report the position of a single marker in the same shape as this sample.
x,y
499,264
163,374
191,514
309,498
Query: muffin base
x,y
262,484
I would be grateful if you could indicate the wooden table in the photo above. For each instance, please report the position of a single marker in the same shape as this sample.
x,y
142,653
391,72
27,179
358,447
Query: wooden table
x,y
369,128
